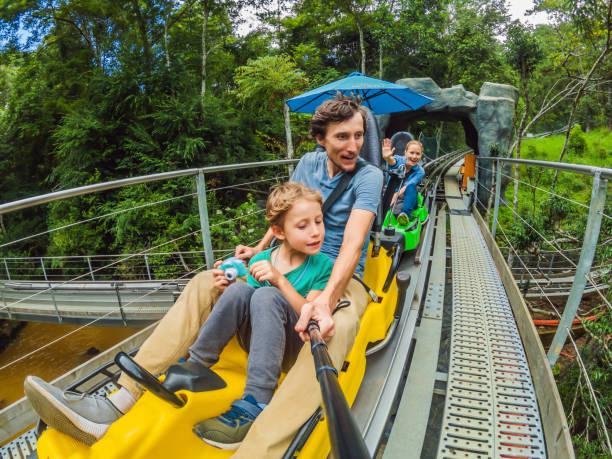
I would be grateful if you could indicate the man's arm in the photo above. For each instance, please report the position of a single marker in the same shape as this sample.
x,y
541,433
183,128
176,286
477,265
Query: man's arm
x,y
355,233
244,252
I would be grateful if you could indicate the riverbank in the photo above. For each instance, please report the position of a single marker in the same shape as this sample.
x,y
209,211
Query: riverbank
x,y
72,346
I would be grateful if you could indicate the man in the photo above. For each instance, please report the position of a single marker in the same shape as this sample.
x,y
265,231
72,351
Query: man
x,y
339,126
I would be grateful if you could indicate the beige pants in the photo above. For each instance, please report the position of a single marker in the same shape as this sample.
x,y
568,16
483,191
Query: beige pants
x,y
297,397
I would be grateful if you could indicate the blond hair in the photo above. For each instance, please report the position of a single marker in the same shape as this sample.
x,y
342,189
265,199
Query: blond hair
x,y
283,197
414,142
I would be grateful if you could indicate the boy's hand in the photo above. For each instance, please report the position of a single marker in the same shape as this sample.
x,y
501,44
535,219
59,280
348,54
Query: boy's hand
x,y
387,151
264,271
219,277
316,310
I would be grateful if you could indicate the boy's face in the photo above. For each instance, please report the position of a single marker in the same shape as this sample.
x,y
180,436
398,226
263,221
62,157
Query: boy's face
x,y
413,154
303,228
343,142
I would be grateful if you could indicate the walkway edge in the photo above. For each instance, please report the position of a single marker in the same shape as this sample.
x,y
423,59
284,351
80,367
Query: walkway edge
x,y
554,423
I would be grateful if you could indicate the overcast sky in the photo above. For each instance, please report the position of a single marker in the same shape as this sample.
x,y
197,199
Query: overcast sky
x,y
517,9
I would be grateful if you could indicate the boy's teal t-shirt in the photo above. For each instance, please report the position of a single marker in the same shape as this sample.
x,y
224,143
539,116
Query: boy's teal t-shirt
x,y
313,274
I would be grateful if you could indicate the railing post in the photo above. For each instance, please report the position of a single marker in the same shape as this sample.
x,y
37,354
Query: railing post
x,y
497,197
90,269
147,265
42,264
8,274
476,182
57,313
591,234
120,305
6,306
203,209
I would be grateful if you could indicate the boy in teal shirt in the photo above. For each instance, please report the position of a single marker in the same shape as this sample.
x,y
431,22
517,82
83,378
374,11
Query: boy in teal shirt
x,y
281,280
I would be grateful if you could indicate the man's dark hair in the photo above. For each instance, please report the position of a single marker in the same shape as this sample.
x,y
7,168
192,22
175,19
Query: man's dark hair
x,y
337,110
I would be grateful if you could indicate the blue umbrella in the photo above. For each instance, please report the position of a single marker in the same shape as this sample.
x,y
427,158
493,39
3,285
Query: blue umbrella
x,y
378,95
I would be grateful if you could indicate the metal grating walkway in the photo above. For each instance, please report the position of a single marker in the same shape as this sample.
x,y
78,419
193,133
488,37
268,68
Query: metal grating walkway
x,y
491,409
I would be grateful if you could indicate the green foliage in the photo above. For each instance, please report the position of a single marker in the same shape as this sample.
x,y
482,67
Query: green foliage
x,y
577,141
245,224
582,415
264,83
107,90
524,51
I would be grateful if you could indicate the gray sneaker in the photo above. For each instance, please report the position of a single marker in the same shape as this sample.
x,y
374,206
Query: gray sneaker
x,y
84,417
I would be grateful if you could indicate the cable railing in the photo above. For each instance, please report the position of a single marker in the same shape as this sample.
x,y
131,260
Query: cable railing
x,y
112,310
49,276
57,273
567,331
591,234
584,372
58,268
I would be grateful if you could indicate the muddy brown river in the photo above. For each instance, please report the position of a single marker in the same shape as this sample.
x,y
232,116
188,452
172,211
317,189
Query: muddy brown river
x,y
54,360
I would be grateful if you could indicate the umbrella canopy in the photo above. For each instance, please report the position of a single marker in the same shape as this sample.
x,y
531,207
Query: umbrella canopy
x,y
378,95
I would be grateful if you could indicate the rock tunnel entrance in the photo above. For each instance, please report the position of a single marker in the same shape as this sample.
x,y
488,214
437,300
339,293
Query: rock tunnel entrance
x,y
486,118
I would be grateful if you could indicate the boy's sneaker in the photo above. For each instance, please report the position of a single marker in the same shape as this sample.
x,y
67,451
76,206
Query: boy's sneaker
x,y
228,430
402,219
82,416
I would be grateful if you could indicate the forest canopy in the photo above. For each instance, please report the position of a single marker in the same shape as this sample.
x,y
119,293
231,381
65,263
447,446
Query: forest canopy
x,y
96,90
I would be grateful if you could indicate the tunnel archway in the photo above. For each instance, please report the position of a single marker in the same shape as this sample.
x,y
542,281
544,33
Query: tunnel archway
x,y
486,118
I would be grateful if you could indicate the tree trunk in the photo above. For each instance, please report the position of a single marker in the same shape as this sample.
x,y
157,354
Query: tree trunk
x,y
361,46
520,134
278,23
519,139
581,89
142,28
166,52
609,109
205,14
288,136
380,60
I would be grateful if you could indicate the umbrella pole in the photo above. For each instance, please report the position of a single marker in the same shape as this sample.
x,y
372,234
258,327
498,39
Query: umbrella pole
x,y
288,136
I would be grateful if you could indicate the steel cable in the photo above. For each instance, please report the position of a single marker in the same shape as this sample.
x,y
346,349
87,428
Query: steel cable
x,y
569,334
100,318
539,234
545,191
117,212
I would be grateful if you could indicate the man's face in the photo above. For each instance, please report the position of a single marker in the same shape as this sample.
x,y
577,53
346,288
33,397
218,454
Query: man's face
x,y
343,142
